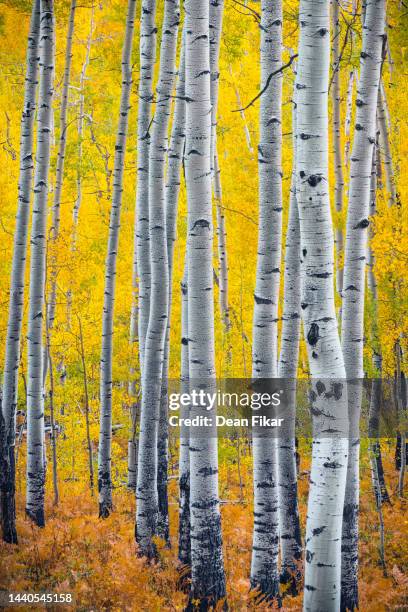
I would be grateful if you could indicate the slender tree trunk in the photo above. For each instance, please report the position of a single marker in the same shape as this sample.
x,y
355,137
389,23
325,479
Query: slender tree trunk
x,y
329,392
175,156
222,249
184,550
347,122
79,173
35,398
59,178
52,421
336,125
86,397
290,535
151,493
377,469
141,251
105,432
242,114
265,547
386,149
16,303
208,578
354,279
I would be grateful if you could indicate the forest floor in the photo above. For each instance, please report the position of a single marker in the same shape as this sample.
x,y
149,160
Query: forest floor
x,y
96,559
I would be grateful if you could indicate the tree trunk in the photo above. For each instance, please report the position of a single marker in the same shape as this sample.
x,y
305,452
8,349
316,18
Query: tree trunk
x,y
347,122
184,550
336,125
16,303
35,399
386,148
105,432
86,397
141,251
328,394
59,178
175,156
290,535
265,547
222,250
151,492
208,578
354,279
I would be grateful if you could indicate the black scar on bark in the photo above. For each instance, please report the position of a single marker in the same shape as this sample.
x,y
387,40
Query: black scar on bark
x,y
320,388
362,224
313,334
201,223
260,300
314,180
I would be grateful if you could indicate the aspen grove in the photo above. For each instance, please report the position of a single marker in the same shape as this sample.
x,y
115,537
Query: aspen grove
x,y
204,202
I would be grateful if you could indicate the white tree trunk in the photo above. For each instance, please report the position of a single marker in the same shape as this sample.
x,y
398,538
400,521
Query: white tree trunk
x,y
16,303
329,393
354,278
105,431
175,156
152,510
141,249
35,399
265,547
208,579
347,121
222,247
386,148
336,125
184,549
289,525
59,178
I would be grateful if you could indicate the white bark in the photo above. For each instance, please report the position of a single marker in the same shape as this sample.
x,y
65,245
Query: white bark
x,y
16,302
222,247
105,432
208,579
152,512
328,395
242,114
141,249
175,156
35,399
184,549
386,148
354,277
347,121
289,525
59,178
336,125
265,547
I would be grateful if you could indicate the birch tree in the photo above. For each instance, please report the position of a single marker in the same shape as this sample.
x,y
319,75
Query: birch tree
x,y
141,255
105,431
184,541
328,393
289,525
35,401
172,189
386,147
265,547
354,277
216,17
16,301
59,178
336,124
152,511
208,579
